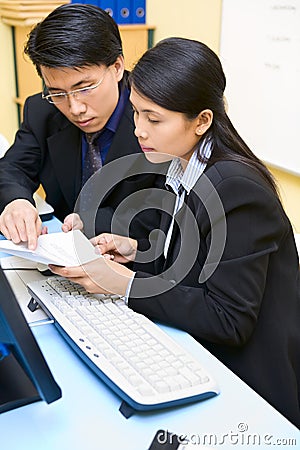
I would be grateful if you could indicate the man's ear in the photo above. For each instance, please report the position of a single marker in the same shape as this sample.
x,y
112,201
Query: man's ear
x,y
204,121
119,67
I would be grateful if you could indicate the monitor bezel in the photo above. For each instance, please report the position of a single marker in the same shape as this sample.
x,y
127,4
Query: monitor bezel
x,y
25,376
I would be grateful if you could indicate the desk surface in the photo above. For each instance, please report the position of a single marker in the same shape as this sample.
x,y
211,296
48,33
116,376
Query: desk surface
x,y
87,416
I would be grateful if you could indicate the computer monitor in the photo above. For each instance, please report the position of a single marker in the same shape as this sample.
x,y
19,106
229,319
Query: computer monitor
x,y
24,374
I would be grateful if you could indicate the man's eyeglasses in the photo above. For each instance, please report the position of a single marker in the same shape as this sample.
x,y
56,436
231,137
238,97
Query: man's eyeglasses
x,y
78,94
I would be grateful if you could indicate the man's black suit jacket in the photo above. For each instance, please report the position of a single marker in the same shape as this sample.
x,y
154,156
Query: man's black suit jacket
x,y
47,150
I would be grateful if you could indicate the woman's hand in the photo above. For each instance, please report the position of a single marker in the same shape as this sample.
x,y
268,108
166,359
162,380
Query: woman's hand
x,y
112,246
72,222
100,276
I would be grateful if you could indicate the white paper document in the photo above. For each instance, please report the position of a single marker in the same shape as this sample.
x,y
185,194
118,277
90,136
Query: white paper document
x,y
62,249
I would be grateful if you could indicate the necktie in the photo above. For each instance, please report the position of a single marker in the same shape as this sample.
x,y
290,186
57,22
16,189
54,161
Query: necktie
x,y
92,159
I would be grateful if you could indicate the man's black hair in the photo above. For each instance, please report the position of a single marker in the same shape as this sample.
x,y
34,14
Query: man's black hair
x,y
74,35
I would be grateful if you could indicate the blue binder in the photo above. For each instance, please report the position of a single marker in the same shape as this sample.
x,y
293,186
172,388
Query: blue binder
x,y
124,11
91,2
86,2
110,6
138,11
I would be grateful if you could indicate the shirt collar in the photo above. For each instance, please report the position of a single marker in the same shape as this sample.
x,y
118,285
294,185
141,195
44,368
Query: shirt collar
x,y
114,119
176,177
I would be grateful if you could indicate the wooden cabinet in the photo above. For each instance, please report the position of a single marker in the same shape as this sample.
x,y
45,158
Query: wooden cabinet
x,y
23,15
136,40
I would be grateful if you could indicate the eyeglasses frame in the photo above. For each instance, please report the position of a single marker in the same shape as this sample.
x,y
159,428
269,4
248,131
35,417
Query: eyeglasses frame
x,y
64,95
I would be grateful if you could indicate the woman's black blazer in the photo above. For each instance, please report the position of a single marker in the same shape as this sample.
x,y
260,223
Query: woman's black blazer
x,y
233,284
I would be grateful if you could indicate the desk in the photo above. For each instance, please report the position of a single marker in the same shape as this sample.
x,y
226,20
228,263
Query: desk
x,y
87,415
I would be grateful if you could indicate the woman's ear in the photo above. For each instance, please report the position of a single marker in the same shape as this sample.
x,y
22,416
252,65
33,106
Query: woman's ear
x,y
204,121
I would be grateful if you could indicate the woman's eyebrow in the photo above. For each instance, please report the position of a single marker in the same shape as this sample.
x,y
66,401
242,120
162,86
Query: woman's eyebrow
x,y
148,111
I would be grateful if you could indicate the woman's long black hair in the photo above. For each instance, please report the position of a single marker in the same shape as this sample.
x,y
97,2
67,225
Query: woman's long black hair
x,y
186,76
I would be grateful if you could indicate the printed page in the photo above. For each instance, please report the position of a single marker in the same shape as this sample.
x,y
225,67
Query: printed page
x,y
62,249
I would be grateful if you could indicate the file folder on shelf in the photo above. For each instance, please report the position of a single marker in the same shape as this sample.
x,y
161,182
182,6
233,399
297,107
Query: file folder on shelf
x,y
109,6
138,11
91,2
123,11
87,2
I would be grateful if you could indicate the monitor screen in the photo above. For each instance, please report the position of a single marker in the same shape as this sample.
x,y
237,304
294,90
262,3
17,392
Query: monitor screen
x,y
24,374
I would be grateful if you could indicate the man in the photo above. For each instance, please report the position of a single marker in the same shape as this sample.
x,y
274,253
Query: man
x,y
77,50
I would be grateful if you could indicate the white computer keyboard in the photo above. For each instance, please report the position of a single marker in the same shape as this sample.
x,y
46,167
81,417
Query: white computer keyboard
x,y
137,359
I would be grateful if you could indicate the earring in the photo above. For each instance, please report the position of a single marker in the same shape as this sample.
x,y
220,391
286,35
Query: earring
x,y
199,132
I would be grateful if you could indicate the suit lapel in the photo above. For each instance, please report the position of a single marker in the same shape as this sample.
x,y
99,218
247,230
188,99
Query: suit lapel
x,y
167,207
183,247
65,152
173,245
125,132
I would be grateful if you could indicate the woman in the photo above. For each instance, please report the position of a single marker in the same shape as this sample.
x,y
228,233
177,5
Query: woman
x,y
226,268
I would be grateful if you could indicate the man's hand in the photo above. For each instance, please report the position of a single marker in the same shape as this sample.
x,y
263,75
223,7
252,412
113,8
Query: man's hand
x,y
20,222
72,222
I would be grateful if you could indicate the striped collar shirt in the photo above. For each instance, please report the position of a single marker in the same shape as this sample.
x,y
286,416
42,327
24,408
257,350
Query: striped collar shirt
x,y
182,181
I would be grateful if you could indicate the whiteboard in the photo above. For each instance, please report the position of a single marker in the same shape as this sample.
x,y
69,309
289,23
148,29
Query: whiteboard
x,y
260,54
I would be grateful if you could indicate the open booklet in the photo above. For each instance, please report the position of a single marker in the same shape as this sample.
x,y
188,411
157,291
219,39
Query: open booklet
x,y
62,249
